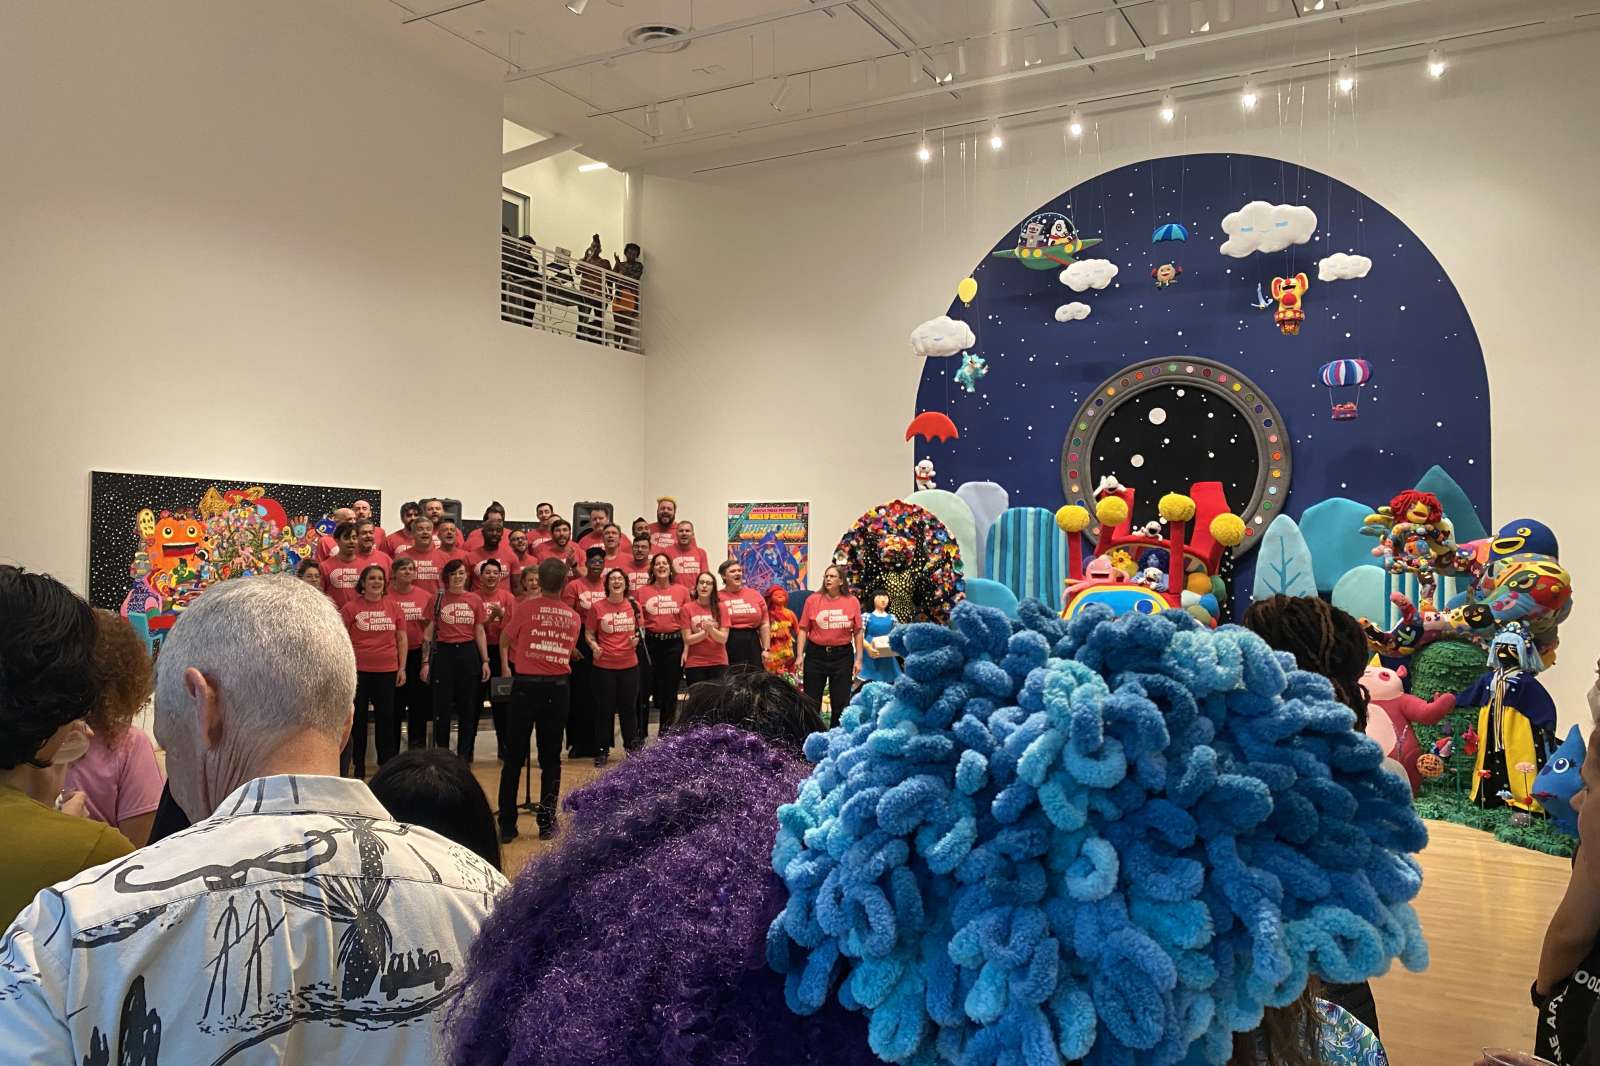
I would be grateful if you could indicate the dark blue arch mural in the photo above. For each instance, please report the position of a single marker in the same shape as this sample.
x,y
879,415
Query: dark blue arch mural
x,y
1427,402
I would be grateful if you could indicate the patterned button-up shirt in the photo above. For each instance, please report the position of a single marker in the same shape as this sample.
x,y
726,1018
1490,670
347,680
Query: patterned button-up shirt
x,y
298,923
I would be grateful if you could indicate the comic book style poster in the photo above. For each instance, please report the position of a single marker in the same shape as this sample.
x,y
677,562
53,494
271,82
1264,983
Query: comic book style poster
x,y
771,541
157,542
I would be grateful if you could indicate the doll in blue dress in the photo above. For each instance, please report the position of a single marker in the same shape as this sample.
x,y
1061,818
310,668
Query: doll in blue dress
x,y
877,623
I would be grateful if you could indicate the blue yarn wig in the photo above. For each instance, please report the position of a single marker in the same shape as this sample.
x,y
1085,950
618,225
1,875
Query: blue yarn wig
x,y
1114,840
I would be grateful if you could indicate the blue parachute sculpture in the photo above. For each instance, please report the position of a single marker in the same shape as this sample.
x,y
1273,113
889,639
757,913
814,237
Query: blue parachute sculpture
x,y
1171,231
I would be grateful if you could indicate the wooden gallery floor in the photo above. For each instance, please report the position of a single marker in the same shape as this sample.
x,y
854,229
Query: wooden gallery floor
x,y
1483,905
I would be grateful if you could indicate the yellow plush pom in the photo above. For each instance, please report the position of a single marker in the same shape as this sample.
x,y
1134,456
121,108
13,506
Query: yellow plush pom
x,y
1176,507
1227,529
1198,583
1111,511
1072,518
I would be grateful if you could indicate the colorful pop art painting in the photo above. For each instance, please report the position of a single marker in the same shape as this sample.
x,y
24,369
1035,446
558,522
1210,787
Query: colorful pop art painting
x,y
771,541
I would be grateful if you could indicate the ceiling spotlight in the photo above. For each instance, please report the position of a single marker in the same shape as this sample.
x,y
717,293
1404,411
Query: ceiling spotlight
x,y
1347,78
590,168
924,153
1313,5
577,6
1075,123
1064,40
941,72
961,60
1169,108
1030,51
1224,10
996,141
1436,63
683,113
1163,18
1248,95
781,97
1111,31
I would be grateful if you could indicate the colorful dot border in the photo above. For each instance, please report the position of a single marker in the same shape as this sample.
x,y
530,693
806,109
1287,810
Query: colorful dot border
x,y
1271,490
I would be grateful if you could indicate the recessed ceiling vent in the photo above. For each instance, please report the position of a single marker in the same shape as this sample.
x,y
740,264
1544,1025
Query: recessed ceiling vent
x,y
666,37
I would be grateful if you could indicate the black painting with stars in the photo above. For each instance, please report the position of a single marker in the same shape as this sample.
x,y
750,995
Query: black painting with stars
x,y
115,500
1427,401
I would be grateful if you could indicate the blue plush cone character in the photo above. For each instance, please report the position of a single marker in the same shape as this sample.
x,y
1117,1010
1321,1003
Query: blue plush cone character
x,y
1114,840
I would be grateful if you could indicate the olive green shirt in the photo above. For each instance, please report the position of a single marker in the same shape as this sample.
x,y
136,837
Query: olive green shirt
x,y
42,846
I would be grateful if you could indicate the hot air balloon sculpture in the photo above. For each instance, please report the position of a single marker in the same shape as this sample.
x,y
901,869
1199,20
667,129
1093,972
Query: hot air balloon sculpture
x,y
1344,379
967,290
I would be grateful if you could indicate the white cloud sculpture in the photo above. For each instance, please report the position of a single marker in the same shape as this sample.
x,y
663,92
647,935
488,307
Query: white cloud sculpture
x,y
1089,274
1072,312
1342,267
941,336
1262,227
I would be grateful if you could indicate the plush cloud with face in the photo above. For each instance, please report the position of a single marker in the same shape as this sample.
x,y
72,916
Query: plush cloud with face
x,y
942,336
1089,274
1072,312
1342,267
1262,227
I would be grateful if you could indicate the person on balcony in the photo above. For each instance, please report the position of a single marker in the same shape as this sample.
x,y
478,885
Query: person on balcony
x,y
592,270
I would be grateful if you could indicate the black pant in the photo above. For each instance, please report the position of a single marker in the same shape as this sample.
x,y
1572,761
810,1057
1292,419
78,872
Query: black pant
x,y
744,648
830,666
666,671
641,729
693,675
374,687
497,711
536,701
580,718
456,675
616,694
413,703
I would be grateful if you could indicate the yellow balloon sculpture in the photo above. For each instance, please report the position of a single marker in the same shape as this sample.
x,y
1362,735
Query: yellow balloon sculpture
x,y
967,290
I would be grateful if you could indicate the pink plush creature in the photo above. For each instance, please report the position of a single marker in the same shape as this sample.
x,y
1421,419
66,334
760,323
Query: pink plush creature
x,y
1393,711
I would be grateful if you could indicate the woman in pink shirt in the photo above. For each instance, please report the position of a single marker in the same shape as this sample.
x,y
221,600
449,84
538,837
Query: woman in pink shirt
x,y
499,603
612,629
459,659
661,602
705,633
413,703
118,775
746,610
830,627
377,627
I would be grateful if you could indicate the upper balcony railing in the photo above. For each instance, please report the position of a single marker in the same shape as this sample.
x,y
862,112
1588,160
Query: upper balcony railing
x,y
544,289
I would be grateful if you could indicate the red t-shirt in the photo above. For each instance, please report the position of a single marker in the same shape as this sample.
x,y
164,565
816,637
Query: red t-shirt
x,y
661,608
430,565
372,629
581,593
663,541
595,537
537,535
379,537
568,554
417,606
477,557
613,626
397,542
499,604
473,541
708,652
688,565
830,621
745,609
339,579
326,548
541,635
376,558
638,573
459,612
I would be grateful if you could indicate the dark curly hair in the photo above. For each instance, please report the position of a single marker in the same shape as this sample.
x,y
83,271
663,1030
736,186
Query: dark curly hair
x,y
126,675
47,676
757,702
1322,639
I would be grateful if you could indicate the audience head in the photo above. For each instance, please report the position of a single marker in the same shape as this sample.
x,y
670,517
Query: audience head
x,y
373,583
685,534
404,572
449,534
594,561
660,569
362,509
48,677
366,536
309,572
611,537
454,576
641,548
560,532
434,509
519,541
422,533
239,692
125,674
434,788
630,251
564,972
832,581
756,702
640,525
1322,639
489,576
544,512
666,512
349,538
552,577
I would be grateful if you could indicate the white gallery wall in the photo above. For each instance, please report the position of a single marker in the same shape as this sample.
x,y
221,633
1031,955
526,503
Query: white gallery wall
x,y
565,205
786,290
261,241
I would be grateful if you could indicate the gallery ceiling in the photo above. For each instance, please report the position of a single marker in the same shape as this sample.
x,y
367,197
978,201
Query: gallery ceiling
x,y
678,85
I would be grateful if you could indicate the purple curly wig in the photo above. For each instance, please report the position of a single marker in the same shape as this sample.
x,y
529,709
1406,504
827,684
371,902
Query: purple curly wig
x,y
641,938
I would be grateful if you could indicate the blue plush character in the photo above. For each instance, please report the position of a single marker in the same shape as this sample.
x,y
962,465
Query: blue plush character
x,y
1559,781
973,367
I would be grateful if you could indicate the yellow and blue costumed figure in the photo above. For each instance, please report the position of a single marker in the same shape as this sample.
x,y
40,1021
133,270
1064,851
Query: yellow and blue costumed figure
x,y
1516,724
